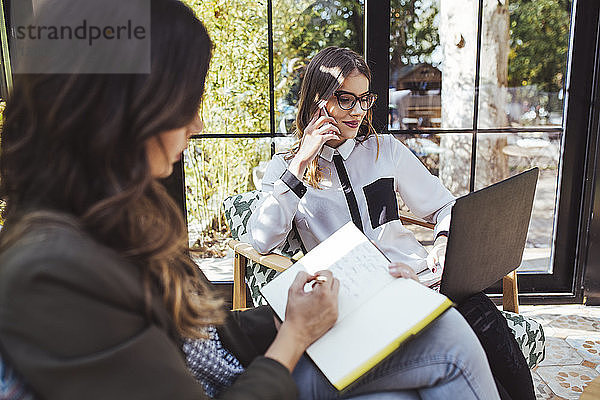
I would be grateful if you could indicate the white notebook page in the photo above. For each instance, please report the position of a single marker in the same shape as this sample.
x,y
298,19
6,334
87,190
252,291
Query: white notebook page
x,y
360,267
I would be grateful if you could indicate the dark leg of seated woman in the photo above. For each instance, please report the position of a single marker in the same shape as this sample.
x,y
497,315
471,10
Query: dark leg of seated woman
x,y
507,362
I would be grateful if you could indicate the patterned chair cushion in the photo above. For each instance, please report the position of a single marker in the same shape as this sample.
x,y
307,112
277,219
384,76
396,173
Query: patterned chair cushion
x,y
238,209
530,336
12,386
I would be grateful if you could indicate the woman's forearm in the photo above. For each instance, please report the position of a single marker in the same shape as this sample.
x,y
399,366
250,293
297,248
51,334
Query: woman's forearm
x,y
298,166
308,316
271,221
287,348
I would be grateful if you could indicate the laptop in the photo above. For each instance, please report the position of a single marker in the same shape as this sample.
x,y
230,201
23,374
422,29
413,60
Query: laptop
x,y
487,235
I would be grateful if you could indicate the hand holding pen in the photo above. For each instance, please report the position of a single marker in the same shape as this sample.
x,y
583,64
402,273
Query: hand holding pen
x,y
308,315
312,313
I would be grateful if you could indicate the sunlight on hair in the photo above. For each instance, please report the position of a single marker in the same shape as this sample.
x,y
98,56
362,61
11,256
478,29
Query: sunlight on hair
x,y
320,102
336,72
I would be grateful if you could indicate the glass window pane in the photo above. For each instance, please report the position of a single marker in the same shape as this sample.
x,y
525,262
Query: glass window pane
x,y
447,156
455,162
432,63
502,155
214,170
426,147
237,87
523,62
300,29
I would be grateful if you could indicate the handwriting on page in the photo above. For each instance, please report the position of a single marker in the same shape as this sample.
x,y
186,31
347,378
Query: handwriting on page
x,y
362,273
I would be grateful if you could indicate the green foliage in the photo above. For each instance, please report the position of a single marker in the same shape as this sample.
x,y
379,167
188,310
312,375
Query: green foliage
x,y
236,100
237,88
413,31
539,31
216,169
539,40
300,30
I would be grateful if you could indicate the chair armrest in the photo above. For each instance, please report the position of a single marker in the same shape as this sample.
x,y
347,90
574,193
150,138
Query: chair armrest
x,y
510,293
274,261
411,219
243,253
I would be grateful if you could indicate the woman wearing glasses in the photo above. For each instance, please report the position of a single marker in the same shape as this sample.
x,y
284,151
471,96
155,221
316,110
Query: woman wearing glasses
x,y
341,171
98,296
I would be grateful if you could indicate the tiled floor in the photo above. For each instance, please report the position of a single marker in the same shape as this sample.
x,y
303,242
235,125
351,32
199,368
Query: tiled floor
x,y
572,349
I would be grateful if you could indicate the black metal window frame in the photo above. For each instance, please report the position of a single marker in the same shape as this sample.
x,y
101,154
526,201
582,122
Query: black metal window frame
x,y
581,148
6,81
579,129
565,283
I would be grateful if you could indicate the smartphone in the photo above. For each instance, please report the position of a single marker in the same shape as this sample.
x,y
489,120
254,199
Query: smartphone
x,y
327,115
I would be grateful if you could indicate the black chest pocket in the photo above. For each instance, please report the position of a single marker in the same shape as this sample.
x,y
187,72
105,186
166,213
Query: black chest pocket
x,y
381,201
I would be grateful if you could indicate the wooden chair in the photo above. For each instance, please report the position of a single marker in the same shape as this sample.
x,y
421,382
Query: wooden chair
x,y
244,252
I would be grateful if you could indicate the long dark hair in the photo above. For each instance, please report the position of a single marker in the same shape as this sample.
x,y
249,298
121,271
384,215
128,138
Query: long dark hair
x,y
324,75
75,144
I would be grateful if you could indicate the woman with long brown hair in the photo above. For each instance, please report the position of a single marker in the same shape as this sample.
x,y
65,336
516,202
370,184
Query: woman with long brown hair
x,y
98,296
340,170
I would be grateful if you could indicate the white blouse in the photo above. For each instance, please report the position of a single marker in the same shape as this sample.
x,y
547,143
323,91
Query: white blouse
x,y
376,176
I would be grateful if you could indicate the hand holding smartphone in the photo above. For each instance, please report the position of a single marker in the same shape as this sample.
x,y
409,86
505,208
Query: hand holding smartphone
x,y
315,135
324,111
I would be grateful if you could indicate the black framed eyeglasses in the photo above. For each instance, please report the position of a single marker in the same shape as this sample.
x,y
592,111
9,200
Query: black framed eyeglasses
x,y
347,100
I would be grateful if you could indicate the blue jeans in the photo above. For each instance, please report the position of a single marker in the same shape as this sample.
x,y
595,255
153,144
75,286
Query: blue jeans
x,y
445,361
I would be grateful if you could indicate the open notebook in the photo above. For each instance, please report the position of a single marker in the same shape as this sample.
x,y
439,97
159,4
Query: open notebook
x,y
377,312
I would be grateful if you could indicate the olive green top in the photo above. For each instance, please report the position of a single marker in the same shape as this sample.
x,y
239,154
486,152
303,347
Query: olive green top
x,y
73,323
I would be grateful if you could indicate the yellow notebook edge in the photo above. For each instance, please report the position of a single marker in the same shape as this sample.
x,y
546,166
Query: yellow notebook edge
x,y
386,351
